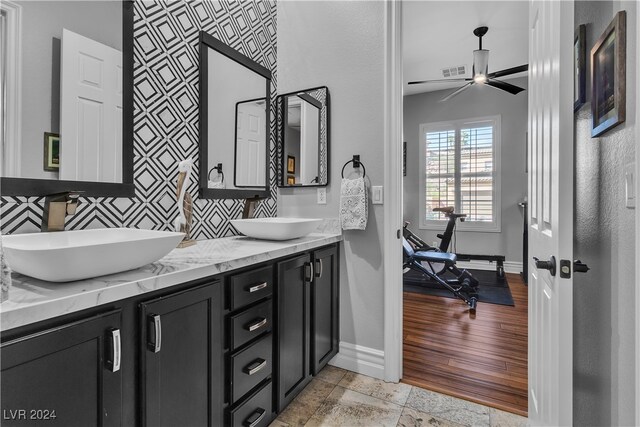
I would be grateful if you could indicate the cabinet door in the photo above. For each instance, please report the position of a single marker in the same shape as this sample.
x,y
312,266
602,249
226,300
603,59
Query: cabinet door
x,y
324,308
294,304
182,378
65,376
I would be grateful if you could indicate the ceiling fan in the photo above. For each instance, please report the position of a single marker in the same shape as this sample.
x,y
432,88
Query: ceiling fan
x,y
480,70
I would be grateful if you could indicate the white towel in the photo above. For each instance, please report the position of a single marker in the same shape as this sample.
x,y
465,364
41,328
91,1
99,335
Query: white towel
x,y
216,184
354,209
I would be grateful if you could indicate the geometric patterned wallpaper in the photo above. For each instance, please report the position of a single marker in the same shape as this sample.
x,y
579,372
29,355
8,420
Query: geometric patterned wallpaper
x,y
166,118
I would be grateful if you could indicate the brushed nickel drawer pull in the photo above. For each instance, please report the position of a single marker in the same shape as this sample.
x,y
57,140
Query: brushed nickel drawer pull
x,y
319,268
257,287
254,419
116,353
255,367
259,324
155,332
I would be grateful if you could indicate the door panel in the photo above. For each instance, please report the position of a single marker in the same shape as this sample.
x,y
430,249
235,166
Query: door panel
x,y
324,324
181,347
293,329
551,212
62,377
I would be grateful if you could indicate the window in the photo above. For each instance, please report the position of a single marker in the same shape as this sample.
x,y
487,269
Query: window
x,y
460,160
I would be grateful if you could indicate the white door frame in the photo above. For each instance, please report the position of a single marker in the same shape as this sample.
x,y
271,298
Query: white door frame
x,y
393,183
637,174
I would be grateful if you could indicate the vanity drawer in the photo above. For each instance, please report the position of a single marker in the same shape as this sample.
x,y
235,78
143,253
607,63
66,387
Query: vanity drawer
x,y
251,366
250,323
251,286
255,412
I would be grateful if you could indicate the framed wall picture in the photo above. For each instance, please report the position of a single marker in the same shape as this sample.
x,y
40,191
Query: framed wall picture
x,y
291,165
291,180
608,77
579,67
51,151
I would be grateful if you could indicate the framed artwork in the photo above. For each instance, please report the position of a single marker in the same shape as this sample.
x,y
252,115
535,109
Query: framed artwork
x,y
291,180
291,165
608,77
51,151
579,67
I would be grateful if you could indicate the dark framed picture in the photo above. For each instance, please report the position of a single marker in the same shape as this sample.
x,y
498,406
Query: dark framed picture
x,y
608,77
51,151
404,158
579,67
291,165
291,180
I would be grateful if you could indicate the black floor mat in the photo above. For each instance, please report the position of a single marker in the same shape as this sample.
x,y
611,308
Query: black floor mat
x,y
492,289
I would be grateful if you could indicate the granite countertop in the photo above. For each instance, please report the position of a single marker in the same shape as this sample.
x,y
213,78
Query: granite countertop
x,y
32,300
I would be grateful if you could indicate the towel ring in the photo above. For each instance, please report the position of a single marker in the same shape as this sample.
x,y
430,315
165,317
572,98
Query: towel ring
x,y
219,170
364,170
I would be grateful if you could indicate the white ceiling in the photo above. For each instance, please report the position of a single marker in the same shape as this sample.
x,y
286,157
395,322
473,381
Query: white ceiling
x,y
439,34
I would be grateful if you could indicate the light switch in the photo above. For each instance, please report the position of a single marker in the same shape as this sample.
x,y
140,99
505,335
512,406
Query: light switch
x,y
377,196
630,186
322,196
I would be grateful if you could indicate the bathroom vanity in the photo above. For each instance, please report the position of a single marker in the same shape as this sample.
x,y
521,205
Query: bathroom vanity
x,y
226,332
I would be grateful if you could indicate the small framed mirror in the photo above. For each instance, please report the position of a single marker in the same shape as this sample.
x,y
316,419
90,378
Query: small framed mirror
x,y
303,138
235,106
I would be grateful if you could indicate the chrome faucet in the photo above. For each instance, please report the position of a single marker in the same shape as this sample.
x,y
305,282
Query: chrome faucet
x,y
250,207
57,207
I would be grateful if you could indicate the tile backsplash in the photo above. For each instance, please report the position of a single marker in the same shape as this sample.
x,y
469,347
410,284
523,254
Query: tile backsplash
x,y
166,118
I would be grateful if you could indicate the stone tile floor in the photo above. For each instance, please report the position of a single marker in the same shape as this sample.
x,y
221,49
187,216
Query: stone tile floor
x,y
336,397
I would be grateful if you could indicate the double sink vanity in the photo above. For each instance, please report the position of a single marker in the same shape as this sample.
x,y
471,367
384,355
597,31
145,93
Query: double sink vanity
x,y
109,327
225,332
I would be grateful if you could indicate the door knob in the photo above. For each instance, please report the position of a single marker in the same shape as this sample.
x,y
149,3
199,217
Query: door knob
x,y
579,267
546,265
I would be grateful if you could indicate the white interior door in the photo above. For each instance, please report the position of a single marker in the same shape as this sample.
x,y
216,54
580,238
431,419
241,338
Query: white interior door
x,y
309,142
90,110
550,212
251,144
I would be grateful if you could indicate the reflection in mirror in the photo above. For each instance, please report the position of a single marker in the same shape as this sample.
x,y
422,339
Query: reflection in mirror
x,y
251,142
234,123
303,142
62,118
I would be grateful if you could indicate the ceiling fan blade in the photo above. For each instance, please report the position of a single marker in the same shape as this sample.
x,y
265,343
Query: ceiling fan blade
x,y
456,92
438,81
508,87
509,71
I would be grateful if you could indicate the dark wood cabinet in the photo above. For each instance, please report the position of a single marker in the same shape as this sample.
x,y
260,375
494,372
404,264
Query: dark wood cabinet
x,y
64,376
231,349
324,308
181,358
294,317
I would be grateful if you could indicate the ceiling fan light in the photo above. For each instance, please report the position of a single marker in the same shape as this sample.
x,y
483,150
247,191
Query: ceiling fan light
x,y
480,62
480,79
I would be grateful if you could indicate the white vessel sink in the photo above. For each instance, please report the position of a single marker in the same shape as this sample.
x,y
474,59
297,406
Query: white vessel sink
x,y
64,256
276,228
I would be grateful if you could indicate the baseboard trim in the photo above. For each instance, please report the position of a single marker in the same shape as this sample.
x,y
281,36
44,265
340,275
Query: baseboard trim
x,y
509,266
363,360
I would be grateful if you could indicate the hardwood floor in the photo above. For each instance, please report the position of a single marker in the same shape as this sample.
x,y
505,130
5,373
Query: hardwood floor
x,y
482,359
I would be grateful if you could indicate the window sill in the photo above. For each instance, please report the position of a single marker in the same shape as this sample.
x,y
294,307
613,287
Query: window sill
x,y
493,228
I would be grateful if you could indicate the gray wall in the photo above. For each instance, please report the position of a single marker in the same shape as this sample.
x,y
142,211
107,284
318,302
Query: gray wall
x,y
42,24
604,319
475,102
341,45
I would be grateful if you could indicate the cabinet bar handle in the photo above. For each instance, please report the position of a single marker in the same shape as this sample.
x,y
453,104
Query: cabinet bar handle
x,y
254,419
257,325
155,333
255,367
116,353
257,287
308,271
319,268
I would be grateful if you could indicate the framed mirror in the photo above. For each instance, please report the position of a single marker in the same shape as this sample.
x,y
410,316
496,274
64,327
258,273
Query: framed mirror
x,y
303,138
235,105
67,119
